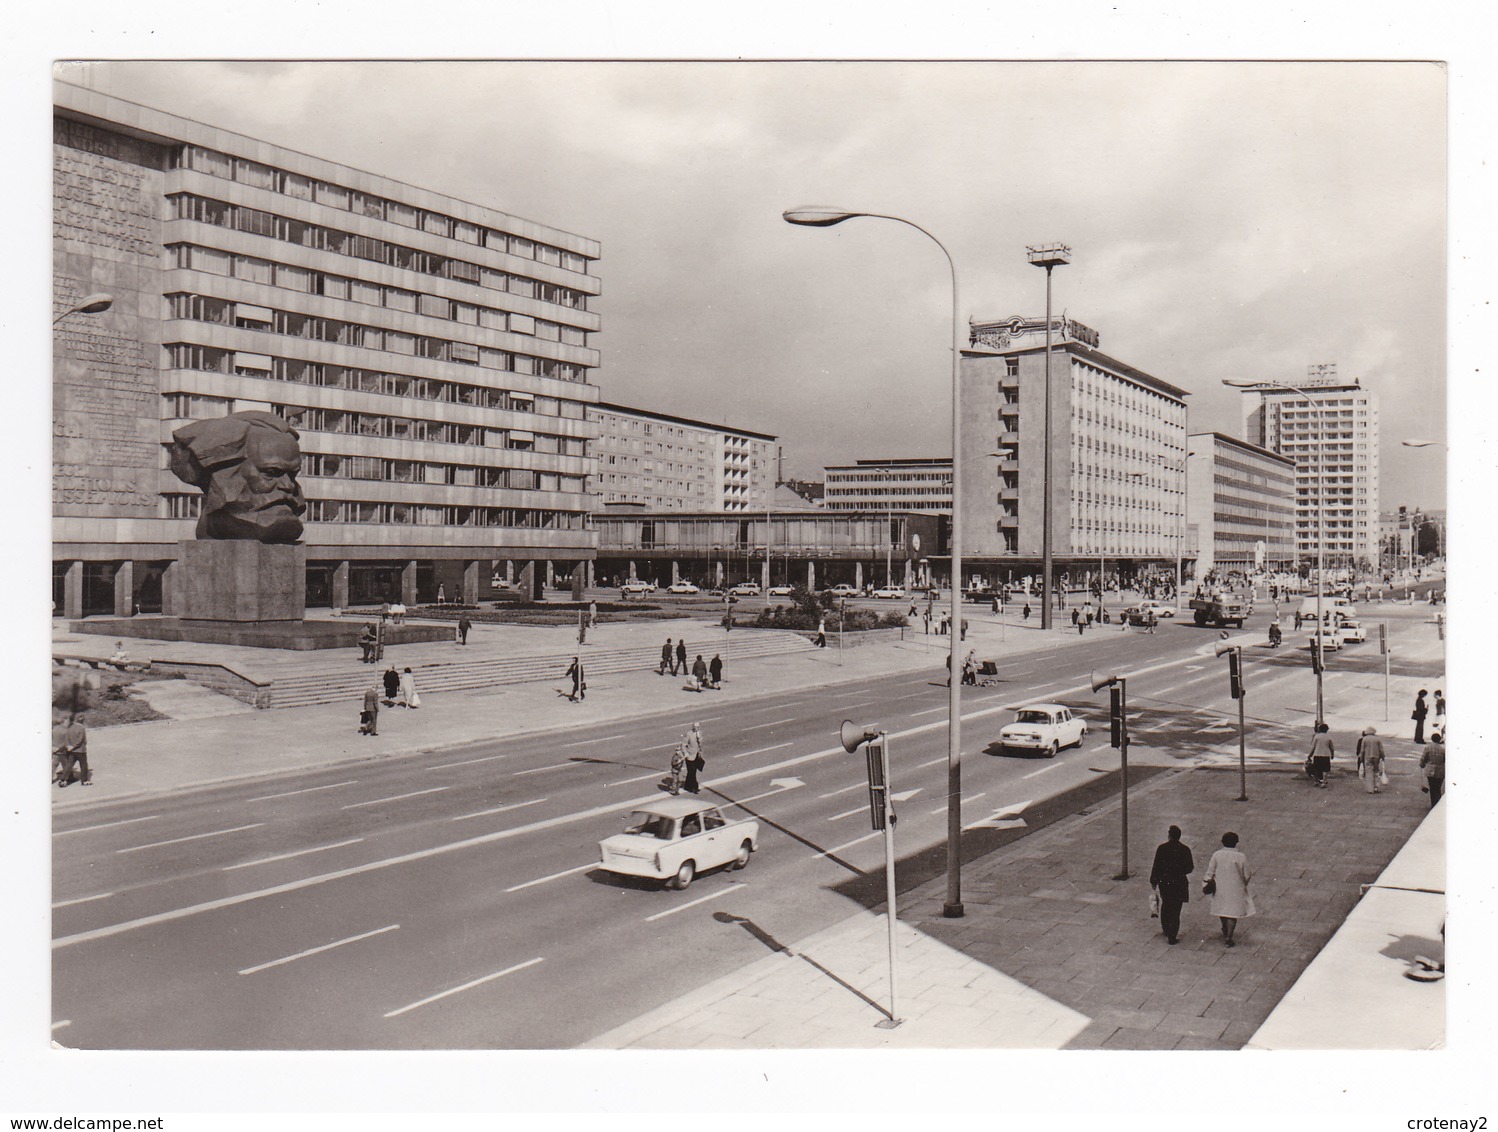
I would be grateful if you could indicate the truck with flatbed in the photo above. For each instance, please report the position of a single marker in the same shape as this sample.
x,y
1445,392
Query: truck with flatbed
x,y
1220,610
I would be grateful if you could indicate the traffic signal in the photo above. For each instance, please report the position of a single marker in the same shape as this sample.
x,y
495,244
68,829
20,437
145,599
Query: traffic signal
x,y
1235,674
1116,716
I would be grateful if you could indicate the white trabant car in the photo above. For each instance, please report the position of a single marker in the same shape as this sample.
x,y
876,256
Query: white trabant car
x,y
1043,727
1353,630
843,589
780,591
1331,638
745,589
890,592
683,588
635,586
675,839
1161,608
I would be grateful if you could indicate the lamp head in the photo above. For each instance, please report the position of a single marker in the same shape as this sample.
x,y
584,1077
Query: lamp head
x,y
1101,682
1417,443
1239,383
854,736
818,215
1224,647
94,304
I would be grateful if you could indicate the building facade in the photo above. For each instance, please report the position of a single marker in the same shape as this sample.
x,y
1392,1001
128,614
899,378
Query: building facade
x,y
899,485
1240,499
1330,428
435,356
668,463
1117,456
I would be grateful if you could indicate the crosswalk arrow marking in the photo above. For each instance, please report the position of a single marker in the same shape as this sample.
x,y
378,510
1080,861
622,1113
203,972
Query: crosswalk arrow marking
x,y
906,795
997,822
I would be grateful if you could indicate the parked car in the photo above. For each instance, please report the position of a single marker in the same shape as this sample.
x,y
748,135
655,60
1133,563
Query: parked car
x,y
780,591
675,839
1352,630
896,592
1337,606
635,586
745,589
682,588
1043,727
843,589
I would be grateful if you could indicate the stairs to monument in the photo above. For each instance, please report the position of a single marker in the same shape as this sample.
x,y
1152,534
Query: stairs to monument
x,y
326,687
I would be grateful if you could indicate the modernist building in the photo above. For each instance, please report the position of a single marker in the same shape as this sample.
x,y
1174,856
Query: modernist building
x,y
1331,431
1117,456
899,485
434,354
1240,499
809,547
668,463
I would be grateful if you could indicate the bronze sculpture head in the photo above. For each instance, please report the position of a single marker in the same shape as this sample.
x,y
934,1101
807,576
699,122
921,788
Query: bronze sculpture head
x,y
246,464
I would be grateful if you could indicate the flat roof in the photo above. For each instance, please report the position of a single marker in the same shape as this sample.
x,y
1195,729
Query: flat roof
x,y
1097,357
910,462
1239,442
633,412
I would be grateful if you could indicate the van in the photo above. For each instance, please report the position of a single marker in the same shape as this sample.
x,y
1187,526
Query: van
x,y
1339,606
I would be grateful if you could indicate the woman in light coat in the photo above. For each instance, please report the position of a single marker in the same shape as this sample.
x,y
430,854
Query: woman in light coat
x,y
1231,901
408,696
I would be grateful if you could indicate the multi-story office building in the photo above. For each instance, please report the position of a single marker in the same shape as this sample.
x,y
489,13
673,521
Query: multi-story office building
x,y
1331,431
667,463
899,485
1117,455
434,354
1240,498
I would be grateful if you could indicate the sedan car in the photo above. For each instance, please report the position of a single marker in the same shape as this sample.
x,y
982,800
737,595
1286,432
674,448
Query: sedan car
x,y
896,592
1160,608
780,591
1331,638
843,589
1043,727
675,839
682,588
635,586
745,589
1353,630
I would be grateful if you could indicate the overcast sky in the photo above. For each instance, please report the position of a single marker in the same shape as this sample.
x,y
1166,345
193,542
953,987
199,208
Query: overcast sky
x,y
1227,219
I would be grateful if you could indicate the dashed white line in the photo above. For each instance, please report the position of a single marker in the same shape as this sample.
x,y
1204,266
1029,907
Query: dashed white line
x,y
849,813
82,900
396,797
317,950
470,762
466,986
845,789
106,825
662,746
194,837
762,750
1043,770
932,762
848,844
585,742
498,809
772,723
692,903
308,790
539,769
932,711
640,778
553,876
288,856
965,801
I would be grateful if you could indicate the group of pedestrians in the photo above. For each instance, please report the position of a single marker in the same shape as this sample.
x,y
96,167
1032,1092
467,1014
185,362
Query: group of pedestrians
x,y
1226,882
687,762
1372,758
395,689
70,751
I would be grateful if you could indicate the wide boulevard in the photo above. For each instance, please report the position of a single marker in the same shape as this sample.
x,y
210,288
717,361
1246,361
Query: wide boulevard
x,y
453,899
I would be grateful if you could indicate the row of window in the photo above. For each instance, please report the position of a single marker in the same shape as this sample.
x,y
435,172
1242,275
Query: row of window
x,y
252,269
238,218
203,308
331,466
210,359
294,185
440,515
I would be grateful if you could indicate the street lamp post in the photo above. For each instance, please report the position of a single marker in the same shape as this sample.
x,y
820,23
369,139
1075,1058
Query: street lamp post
x,y
1320,533
823,217
1048,256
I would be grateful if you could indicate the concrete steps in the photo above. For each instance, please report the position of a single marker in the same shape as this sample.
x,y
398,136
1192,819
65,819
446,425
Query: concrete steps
x,y
346,679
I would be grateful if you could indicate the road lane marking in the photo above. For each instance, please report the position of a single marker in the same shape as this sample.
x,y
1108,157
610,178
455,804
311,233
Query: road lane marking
x,y
772,723
551,766
288,856
470,762
1043,770
194,837
396,797
849,813
932,762
762,750
553,876
467,986
845,789
661,746
585,742
692,903
82,900
308,790
969,799
640,778
106,825
848,844
317,950
499,809
932,711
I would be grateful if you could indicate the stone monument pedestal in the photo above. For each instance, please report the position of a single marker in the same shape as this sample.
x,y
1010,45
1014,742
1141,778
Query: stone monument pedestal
x,y
240,581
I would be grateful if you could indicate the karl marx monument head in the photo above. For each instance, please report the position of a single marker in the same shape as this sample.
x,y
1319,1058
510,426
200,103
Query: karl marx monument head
x,y
246,464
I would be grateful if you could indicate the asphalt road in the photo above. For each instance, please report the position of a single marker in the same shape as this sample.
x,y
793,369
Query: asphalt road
x,y
452,899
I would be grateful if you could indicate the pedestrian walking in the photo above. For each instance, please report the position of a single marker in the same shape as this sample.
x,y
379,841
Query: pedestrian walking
x,y
1173,864
822,631
1149,620
1226,882
1027,611
441,594
681,654
369,718
678,770
1076,615
1371,761
1433,763
398,613
1419,714
1299,617
715,670
963,635
927,616
691,748
70,752
409,696
463,626
668,660
699,670
592,614
367,642
392,685
384,612
970,668
579,684
1321,755
1439,700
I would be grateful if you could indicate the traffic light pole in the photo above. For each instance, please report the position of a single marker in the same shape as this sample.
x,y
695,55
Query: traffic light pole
x,y
1119,711
1242,747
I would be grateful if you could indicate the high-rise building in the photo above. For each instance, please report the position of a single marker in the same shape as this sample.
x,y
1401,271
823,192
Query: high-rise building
x,y
434,354
1117,454
1330,428
666,463
921,484
1240,499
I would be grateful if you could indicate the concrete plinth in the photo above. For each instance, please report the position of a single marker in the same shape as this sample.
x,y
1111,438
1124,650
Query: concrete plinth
x,y
234,580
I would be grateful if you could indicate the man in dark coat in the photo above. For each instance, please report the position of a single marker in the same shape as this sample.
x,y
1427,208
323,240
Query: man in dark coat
x,y
463,626
1173,864
392,684
681,655
1418,715
666,660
